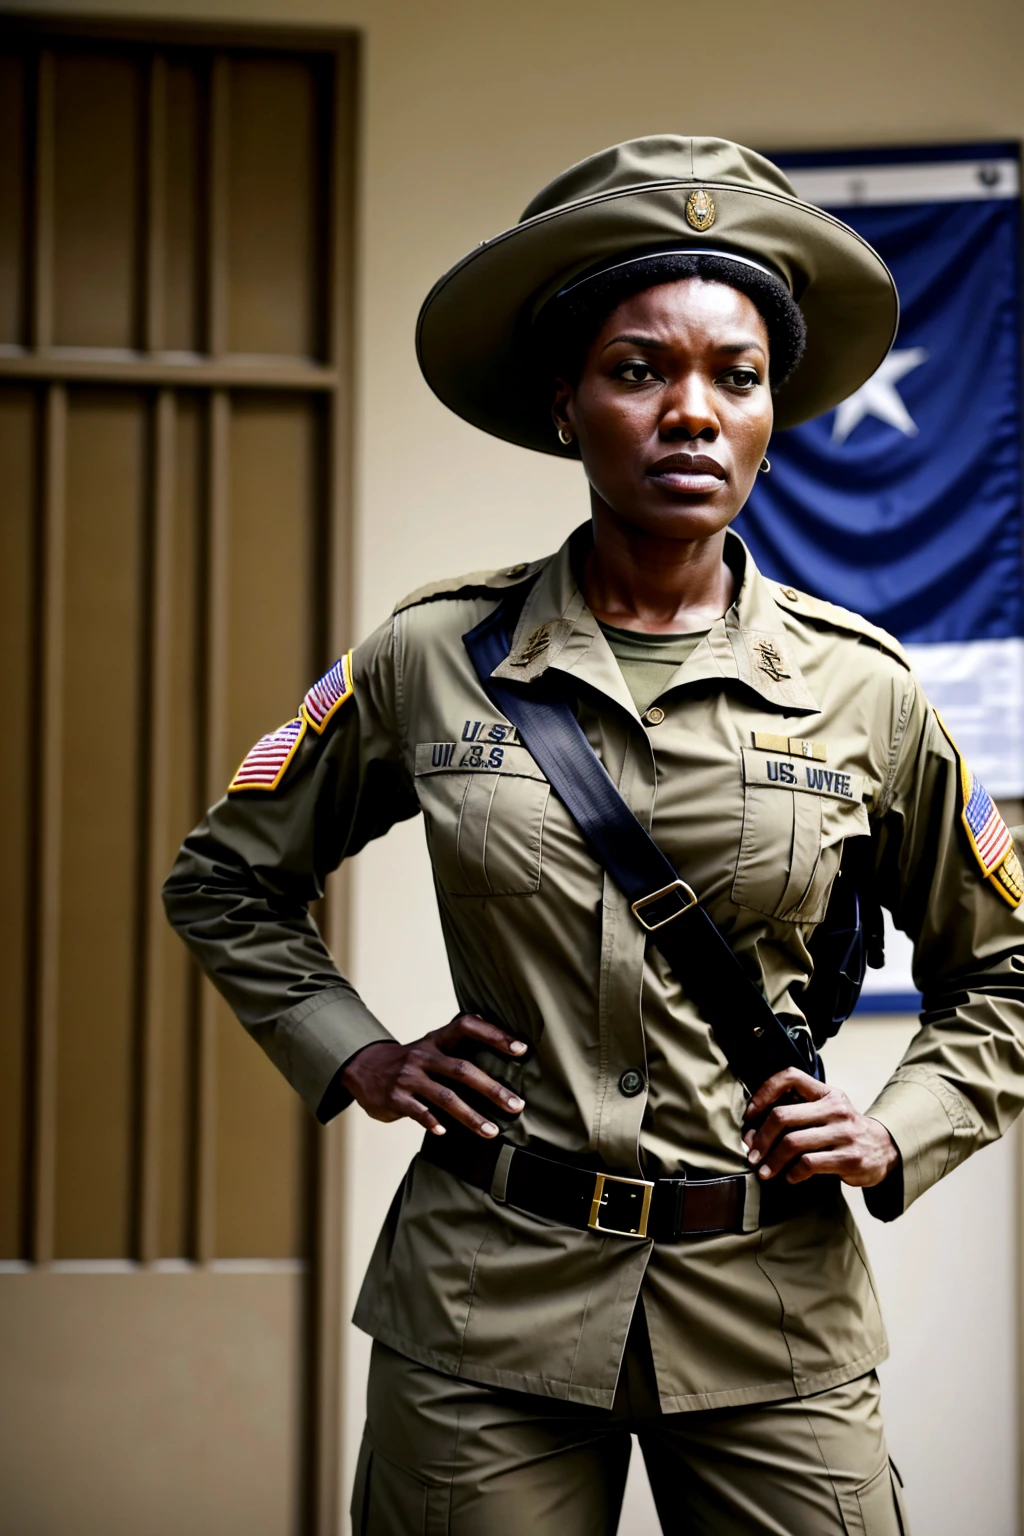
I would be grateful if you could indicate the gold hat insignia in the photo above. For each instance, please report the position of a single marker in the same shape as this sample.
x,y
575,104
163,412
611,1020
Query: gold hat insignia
x,y
700,209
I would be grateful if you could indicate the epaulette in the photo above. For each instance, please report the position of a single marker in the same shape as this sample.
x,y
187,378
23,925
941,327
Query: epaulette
x,y
819,611
476,584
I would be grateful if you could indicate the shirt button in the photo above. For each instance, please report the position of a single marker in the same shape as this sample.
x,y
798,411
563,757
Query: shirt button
x,y
631,1083
654,716
788,592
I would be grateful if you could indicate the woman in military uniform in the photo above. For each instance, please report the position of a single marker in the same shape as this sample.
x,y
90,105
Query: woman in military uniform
x,y
615,1225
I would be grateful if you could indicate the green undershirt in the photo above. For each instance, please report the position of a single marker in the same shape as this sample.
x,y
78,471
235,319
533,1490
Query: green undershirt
x,y
647,661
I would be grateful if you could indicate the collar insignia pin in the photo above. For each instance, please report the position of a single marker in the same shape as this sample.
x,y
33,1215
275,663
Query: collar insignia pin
x,y
533,646
770,661
700,210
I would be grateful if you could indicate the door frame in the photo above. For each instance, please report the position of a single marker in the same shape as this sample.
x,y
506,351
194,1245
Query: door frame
x,y
51,370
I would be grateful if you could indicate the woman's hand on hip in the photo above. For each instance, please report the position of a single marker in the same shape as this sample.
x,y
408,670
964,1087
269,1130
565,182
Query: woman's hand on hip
x,y
392,1081
821,1133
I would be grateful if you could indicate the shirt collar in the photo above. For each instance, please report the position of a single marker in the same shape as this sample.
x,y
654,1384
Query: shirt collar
x,y
749,645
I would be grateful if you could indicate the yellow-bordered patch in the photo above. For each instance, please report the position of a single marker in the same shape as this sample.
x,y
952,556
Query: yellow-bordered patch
x,y
326,697
990,838
265,764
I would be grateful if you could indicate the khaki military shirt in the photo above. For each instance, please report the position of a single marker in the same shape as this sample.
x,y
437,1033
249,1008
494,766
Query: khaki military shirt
x,y
543,943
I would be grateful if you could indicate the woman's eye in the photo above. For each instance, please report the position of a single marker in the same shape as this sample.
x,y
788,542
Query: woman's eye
x,y
743,378
636,373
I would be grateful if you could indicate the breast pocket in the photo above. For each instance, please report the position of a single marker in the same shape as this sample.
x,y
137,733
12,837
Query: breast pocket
x,y
484,813
796,817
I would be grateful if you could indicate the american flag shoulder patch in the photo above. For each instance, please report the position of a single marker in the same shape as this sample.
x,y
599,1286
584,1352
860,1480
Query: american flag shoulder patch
x,y
326,697
266,764
990,838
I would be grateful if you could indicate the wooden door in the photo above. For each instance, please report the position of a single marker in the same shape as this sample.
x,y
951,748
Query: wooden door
x,y
175,223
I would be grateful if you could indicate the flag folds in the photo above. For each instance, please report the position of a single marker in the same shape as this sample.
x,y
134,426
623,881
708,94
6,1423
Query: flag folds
x,y
904,503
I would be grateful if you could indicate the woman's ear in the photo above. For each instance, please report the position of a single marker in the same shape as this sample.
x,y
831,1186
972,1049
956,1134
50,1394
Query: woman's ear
x,y
561,408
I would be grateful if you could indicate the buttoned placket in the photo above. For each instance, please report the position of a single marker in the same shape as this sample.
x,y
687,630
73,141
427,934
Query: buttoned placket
x,y
578,650
587,659
556,631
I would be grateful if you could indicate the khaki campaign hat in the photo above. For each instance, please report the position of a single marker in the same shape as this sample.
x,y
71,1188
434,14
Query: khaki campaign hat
x,y
473,337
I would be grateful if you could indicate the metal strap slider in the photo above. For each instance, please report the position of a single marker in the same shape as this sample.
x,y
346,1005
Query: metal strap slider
x,y
689,900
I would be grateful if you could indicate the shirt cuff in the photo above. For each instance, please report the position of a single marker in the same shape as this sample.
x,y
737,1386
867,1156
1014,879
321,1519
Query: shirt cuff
x,y
934,1128
313,1042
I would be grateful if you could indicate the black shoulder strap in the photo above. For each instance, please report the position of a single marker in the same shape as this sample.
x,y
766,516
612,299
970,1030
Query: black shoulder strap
x,y
755,1042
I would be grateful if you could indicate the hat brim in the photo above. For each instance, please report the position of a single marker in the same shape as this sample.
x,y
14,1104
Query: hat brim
x,y
473,333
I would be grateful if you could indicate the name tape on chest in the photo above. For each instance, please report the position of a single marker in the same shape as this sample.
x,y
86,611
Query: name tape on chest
x,y
809,777
490,731
483,756
483,745
987,833
265,764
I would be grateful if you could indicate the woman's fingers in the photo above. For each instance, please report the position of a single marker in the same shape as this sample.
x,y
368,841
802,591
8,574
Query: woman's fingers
x,y
391,1081
788,1117
837,1140
408,1106
466,1073
790,1080
811,1163
447,1099
471,1026
796,1142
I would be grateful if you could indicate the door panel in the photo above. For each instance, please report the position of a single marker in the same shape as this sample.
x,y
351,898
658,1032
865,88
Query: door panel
x,y
97,199
13,180
179,580
174,985
274,239
182,314
102,726
18,435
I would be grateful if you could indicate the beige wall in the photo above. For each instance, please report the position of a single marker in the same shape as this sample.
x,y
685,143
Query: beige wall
x,y
468,107
134,1401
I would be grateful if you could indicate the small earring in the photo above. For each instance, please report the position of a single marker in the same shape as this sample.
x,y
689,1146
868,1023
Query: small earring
x,y
764,467
564,436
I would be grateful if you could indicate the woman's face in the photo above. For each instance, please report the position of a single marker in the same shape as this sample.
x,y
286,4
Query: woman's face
x,y
673,410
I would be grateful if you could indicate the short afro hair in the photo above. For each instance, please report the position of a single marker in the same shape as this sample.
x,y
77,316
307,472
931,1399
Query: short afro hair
x,y
568,323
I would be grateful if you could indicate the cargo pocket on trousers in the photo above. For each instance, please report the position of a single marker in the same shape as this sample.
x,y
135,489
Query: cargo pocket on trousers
x,y
876,1508
389,1501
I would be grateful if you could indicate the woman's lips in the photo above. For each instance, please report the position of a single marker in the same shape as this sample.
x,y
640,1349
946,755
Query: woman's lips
x,y
694,474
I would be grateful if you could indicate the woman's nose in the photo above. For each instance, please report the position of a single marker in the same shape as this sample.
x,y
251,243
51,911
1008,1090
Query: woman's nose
x,y
690,413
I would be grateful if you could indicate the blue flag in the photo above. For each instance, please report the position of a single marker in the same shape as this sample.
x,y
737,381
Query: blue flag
x,y
904,504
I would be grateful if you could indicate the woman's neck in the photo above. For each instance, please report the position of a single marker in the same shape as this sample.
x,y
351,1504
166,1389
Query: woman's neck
x,y
636,580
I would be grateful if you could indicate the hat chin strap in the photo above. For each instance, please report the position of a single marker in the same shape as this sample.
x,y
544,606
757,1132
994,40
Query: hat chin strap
x,y
680,250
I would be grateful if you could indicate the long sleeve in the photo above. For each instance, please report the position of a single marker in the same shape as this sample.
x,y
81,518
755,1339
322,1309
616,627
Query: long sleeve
x,y
240,890
960,1084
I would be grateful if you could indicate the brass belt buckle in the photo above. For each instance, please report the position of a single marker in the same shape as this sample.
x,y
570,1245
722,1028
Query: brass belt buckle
x,y
600,1180
646,901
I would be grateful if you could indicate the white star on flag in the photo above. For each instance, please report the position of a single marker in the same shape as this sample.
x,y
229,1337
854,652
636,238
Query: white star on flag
x,y
879,397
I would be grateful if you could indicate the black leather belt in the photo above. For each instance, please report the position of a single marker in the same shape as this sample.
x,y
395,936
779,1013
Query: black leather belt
x,y
662,1210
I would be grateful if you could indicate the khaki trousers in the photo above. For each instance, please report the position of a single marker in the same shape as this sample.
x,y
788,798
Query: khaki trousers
x,y
444,1457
